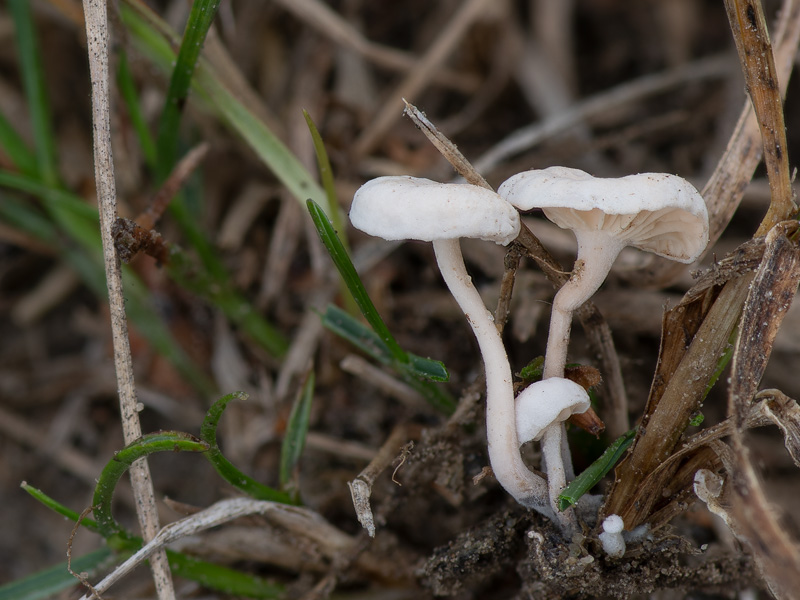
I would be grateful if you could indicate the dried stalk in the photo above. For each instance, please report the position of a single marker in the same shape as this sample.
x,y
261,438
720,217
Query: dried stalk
x,y
695,337
97,40
754,520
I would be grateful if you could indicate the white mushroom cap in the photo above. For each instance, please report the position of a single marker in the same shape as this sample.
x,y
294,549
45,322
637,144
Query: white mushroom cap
x,y
546,402
657,212
410,208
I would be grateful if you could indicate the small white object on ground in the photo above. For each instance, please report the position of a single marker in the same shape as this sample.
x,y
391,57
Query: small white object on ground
x,y
611,538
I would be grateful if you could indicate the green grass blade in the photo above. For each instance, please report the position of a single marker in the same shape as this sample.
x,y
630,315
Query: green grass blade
x,y
226,469
163,441
130,97
427,368
33,82
154,38
81,222
326,176
349,328
355,332
59,508
596,471
48,582
533,370
348,273
200,18
223,579
77,218
16,148
295,438
328,184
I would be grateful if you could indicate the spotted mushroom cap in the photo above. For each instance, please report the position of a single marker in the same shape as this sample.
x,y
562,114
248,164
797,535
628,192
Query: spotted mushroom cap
x,y
545,402
657,212
410,208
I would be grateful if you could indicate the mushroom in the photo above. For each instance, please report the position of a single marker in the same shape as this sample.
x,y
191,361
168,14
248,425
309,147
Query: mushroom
x,y
541,409
656,212
546,402
660,213
398,208
611,538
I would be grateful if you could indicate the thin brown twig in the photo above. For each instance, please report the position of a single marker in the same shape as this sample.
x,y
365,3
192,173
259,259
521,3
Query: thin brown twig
x,y
176,180
97,41
82,577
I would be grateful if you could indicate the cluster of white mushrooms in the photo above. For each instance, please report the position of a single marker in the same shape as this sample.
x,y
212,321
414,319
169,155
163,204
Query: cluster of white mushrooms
x,y
659,213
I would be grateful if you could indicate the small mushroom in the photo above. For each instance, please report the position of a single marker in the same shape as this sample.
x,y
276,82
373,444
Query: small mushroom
x,y
656,212
546,402
542,408
400,208
611,538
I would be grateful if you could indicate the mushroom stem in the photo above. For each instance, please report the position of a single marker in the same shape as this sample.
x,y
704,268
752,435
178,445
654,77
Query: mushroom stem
x,y
596,254
526,487
556,467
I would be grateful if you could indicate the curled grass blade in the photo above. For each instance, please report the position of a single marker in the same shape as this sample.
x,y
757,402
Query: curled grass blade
x,y
200,18
226,469
163,441
595,472
295,438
